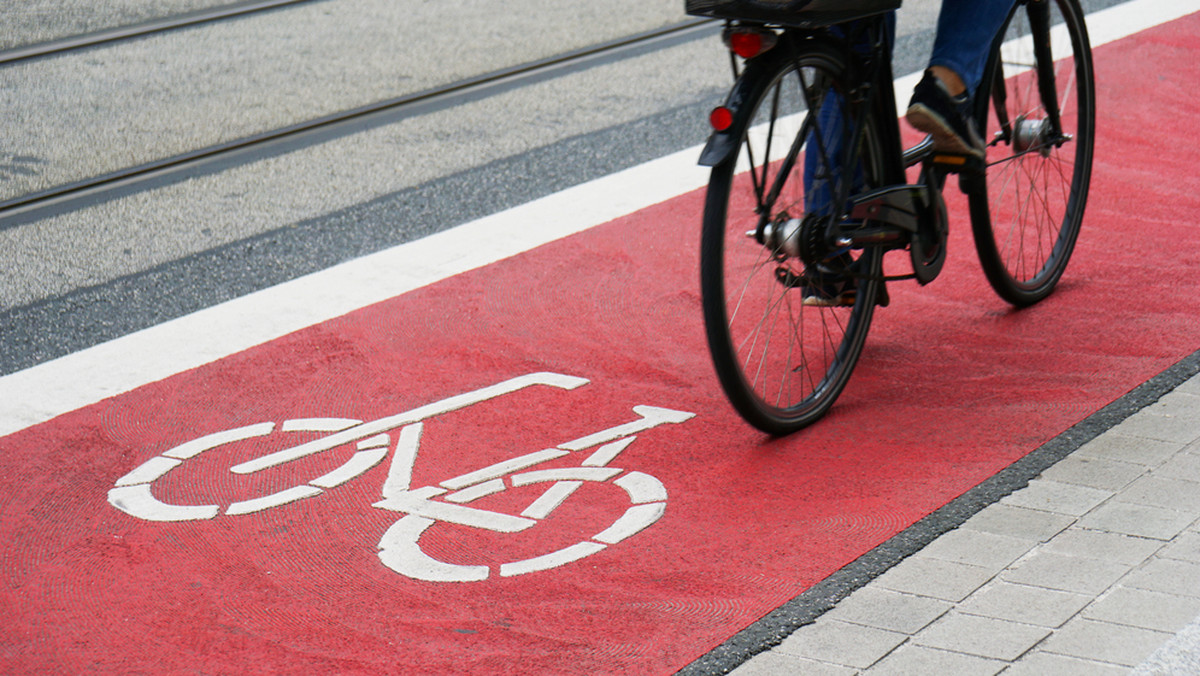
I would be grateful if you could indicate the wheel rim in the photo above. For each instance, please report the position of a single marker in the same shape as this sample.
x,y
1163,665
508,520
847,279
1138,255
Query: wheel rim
x,y
792,359
1036,183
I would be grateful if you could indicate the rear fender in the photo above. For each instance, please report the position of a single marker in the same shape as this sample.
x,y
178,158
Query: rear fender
x,y
721,145
748,88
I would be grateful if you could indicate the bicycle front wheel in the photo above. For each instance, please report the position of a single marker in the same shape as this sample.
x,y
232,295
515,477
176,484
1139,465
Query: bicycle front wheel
x,y
785,334
1039,104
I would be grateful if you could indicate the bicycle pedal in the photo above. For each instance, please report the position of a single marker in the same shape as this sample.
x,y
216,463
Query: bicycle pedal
x,y
953,163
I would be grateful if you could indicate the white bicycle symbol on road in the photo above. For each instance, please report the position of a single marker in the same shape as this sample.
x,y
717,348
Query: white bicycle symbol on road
x,y
400,548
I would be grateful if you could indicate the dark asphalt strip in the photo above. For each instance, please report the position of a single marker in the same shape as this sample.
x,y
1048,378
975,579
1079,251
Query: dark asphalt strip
x,y
88,316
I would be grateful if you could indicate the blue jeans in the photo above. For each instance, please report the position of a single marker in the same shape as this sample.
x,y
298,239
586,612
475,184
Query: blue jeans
x,y
965,30
825,149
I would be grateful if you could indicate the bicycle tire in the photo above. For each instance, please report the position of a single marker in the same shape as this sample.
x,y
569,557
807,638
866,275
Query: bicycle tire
x,y
780,362
1027,220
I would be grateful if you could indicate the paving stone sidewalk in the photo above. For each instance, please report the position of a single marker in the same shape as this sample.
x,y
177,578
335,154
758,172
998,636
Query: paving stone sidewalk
x,y
1094,569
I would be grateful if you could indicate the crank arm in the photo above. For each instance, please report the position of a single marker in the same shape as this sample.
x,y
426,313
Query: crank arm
x,y
896,205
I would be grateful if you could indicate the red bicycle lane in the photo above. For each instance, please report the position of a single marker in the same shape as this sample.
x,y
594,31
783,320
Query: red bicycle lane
x,y
953,386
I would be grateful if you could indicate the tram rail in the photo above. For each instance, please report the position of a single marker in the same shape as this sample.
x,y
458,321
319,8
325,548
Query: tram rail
x,y
68,44
354,119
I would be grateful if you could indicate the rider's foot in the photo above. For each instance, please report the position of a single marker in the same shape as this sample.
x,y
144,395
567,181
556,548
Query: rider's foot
x,y
832,289
947,118
828,289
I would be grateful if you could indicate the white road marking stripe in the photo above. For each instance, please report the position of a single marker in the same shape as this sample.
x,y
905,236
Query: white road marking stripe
x,y
138,501
635,520
273,500
552,560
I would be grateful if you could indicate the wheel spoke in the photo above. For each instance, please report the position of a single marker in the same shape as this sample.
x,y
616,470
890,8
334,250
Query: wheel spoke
x,y
783,362
1037,182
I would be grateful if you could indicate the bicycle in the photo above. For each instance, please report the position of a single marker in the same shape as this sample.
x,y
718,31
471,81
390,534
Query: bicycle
x,y
813,97
447,502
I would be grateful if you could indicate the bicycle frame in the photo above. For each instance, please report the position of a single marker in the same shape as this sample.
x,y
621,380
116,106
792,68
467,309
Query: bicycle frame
x,y
863,46
905,214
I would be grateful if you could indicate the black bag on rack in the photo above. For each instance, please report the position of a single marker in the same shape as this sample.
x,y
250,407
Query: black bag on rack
x,y
802,13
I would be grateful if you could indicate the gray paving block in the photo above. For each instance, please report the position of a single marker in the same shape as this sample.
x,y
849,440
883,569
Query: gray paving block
x,y
841,643
1135,450
1185,466
1145,609
909,660
1066,573
1186,547
890,610
935,578
1169,576
1093,472
1145,423
1178,405
773,663
1165,492
977,548
982,636
1018,522
1039,663
1190,386
1179,655
1138,520
1105,642
1022,603
1095,544
1054,496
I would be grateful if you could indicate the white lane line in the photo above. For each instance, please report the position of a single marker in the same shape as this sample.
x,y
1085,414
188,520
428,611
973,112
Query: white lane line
x,y
50,389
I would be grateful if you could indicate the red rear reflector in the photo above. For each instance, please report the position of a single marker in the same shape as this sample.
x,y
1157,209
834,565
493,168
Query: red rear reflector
x,y
721,118
746,45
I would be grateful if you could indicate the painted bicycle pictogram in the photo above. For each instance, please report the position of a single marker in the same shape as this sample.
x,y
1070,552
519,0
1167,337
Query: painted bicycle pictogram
x,y
400,436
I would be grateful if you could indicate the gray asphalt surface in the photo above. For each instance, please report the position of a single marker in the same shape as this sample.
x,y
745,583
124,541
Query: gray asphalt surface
x,y
98,110
28,22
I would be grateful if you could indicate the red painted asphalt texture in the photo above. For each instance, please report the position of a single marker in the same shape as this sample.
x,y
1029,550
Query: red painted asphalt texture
x,y
953,386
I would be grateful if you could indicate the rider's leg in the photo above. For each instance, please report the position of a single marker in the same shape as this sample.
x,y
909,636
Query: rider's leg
x,y
826,284
823,176
965,31
941,103
824,143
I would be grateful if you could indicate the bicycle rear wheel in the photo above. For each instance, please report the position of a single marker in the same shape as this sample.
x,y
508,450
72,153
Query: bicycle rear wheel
x,y
1038,167
783,362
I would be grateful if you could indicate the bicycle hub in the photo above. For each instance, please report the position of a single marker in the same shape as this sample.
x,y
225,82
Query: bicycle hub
x,y
782,237
1030,134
